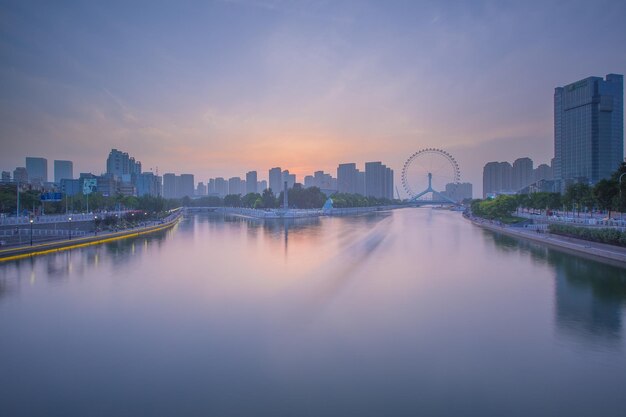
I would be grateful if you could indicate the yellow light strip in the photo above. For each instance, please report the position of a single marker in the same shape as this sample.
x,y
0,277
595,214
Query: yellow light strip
x,y
118,236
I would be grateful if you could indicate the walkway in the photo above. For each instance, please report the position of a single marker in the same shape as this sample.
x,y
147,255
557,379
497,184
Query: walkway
x,y
24,251
595,249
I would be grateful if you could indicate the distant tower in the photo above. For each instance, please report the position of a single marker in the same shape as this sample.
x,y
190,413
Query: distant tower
x,y
588,129
285,195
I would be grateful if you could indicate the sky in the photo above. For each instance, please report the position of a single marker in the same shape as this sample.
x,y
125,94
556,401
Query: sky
x,y
219,88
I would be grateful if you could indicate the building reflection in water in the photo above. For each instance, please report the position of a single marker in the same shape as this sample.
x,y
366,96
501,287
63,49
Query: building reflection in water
x,y
589,295
59,267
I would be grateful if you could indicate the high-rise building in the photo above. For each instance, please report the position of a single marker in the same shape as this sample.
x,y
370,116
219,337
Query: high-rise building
x,y
187,187
148,184
360,183
120,163
210,188
490,179
261,186
169,186
106,184
276,180
588,129
234,185
290,179
201,189
458,191
347,178
63,170
375,179
20,175
542,172
309,181
521,173
388,184
221,187
37,169
496,178
323,181
6,176
251,182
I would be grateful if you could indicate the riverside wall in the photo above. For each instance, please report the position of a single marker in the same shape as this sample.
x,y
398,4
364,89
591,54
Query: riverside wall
x,y
598,251
65,244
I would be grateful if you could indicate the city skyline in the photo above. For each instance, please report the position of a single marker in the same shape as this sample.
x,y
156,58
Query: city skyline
x,y
304,87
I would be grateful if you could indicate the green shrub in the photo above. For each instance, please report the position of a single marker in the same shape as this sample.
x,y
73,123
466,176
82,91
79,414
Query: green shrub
x,y
610,236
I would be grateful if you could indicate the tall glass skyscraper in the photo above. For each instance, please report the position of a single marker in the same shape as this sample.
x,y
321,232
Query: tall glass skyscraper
x,y
588,129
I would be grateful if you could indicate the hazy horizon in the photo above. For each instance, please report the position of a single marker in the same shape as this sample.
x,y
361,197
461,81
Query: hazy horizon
x,y
226,87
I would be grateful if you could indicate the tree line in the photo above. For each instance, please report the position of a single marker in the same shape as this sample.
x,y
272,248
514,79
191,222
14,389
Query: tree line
x,y
298,197
580,197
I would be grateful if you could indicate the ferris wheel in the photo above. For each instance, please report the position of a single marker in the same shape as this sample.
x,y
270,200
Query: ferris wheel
x,y
429,170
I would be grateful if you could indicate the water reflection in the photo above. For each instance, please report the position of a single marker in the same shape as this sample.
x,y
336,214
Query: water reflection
x,y
589,295
415,312
59,267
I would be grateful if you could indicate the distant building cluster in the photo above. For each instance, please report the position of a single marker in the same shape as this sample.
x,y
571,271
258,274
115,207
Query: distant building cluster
x,y
34,174
588,141
178,186
349,180
504,178
375,181
458,192
588,146
123,176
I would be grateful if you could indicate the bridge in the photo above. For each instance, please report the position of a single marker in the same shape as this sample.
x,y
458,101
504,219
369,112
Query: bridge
x,y
437,199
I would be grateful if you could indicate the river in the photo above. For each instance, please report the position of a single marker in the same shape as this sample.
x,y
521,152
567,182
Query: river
x,y
403,313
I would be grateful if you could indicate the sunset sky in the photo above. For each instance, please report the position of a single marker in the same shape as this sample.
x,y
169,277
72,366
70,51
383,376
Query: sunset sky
x,y
223,87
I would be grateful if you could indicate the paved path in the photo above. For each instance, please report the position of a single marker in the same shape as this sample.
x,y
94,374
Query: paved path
x,y
21,251
595,249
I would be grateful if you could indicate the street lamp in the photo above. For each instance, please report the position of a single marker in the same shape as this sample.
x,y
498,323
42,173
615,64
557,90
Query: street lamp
x,y
620,196
17,190
31,232
70,221
95,225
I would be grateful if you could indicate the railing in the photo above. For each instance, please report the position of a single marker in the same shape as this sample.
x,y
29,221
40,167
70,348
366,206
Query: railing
x,y
57,218
42,232
575,220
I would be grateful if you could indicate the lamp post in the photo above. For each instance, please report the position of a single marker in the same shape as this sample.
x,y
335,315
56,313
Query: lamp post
x,y
620,196
31,232
17,192
95,225
69,219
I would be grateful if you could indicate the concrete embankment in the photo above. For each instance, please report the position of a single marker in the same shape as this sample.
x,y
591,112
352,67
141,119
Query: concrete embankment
x,y
291,213
598,251
65,244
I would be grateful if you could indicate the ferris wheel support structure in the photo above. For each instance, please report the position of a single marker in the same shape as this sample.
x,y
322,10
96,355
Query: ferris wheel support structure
x,y
453,175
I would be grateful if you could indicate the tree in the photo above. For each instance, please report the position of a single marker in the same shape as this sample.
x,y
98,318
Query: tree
x,y
578,195
269,200
232,200
606,192
306,198
250,199
500,207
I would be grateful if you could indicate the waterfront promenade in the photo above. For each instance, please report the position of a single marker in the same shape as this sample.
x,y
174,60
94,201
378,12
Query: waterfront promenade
x,y
599,251
26,250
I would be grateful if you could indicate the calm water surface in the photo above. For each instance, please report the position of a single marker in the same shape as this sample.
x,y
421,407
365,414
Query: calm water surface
x,y
413,312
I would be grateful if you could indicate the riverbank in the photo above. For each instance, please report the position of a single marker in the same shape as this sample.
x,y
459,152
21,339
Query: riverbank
x,y
597,251
291,213
26,251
